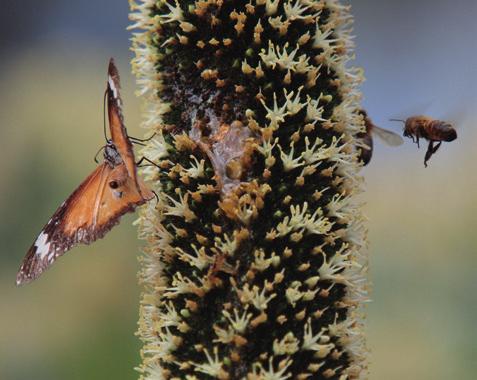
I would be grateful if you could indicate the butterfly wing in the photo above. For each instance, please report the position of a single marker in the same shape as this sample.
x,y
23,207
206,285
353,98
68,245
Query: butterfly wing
x,y
116,121
87,215
118,130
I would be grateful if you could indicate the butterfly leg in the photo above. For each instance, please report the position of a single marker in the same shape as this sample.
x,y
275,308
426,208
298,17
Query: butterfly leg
x,y
144,158
136,140
156,196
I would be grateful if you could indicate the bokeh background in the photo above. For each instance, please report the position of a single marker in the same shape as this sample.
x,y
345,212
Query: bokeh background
x,y
78,321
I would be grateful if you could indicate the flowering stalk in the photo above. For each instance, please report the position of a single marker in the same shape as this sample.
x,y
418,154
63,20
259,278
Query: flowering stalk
x,y
252,268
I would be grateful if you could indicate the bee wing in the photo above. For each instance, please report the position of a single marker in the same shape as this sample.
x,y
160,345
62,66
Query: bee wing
x,y
458,115
390,138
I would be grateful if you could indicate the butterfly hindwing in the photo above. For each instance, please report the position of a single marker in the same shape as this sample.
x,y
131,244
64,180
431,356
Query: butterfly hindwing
x,y
59,235
87,215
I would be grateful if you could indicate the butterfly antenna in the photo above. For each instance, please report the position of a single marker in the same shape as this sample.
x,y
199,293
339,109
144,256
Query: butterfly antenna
x,y
402,121
96,155
104,115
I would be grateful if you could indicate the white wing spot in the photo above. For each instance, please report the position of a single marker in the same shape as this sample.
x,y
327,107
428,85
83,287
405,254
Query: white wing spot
x,y
52,257
42,247
113,87
118,194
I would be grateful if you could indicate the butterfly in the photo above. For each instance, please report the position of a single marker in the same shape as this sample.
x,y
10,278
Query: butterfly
x,y
110,191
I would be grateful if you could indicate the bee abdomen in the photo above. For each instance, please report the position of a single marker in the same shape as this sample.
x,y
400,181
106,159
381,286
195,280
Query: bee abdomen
x,y
442,131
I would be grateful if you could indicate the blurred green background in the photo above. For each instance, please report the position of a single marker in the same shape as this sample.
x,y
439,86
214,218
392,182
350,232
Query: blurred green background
x,y
78,320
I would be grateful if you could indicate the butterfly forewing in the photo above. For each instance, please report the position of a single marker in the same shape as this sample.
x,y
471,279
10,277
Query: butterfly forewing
x,y
118,131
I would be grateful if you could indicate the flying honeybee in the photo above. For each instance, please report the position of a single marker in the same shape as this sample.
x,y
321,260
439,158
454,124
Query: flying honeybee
x,y
435,131
390,138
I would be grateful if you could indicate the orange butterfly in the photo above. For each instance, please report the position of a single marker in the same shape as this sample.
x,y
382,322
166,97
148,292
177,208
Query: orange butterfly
x,y
96,206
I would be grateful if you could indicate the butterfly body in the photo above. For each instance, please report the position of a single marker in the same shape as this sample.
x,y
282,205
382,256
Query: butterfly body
x,y
111,154
110,191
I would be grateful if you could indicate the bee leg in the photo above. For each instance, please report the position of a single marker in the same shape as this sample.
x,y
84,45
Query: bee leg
x,y
436,147
428,153
431,149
